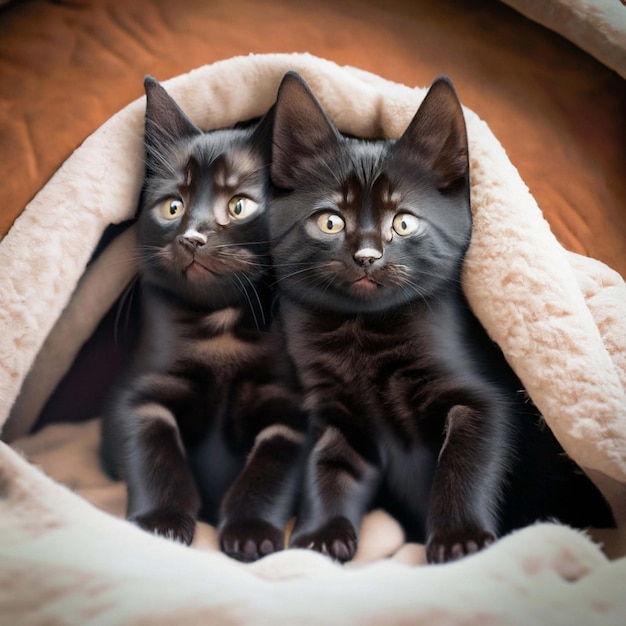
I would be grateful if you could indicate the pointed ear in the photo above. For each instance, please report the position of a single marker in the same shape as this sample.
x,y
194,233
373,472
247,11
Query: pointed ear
x,y
302,133
261,138
437,136
165,120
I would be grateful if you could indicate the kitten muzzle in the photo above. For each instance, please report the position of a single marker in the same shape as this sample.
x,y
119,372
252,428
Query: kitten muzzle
x,y
192,240
365,282
196,269
367,256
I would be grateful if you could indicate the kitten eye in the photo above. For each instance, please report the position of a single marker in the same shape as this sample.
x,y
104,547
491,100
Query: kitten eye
x,y
330,223
241,207
172,208
405,224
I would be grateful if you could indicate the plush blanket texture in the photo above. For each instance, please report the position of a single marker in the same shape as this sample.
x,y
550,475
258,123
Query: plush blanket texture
x,y
559,317
68,563
597,26
65,555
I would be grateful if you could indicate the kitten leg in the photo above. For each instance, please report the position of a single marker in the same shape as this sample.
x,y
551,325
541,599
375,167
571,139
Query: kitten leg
x,y
462,513
162,496
259,504
339,486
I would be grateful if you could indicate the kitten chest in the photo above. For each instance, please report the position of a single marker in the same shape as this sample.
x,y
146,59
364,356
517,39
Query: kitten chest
x,y
376,369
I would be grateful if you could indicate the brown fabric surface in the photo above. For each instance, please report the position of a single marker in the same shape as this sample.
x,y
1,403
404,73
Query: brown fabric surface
x,y
66,67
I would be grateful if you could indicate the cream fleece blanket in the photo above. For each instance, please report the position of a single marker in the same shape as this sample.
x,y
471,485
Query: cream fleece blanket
x,y
559,318
596,26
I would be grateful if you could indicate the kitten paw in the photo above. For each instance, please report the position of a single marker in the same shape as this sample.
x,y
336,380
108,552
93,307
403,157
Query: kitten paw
x,y
336,539
169,524
445,547
251,540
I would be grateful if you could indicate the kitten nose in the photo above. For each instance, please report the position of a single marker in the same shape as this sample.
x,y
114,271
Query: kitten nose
x,y
192,239
367,256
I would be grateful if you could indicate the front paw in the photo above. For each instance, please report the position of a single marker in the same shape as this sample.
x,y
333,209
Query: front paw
x,y
169,524
443,547
337,539
250,540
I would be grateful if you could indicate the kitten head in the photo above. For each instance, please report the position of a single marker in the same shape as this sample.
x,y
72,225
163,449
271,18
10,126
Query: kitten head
x,y
367,225
202,232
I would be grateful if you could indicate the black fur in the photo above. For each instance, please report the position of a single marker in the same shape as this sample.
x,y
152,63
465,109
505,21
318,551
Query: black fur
x,y
411,404
207,421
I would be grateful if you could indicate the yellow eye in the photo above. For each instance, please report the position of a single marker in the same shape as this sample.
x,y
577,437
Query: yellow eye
x,y
172,208
405,224
330,223
241,207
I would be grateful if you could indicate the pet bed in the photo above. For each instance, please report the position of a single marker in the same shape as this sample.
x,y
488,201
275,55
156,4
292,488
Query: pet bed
x,y
559,317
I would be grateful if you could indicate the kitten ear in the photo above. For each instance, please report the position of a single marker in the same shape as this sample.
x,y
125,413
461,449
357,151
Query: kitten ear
x,y
302,133
165,120
437,136
261,138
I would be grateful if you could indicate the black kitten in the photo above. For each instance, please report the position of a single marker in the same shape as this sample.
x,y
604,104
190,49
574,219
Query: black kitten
x,y
412,406
207,421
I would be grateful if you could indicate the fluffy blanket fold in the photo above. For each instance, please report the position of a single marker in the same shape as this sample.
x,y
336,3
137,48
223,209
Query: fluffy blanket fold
x,y
560,319
67,561
597,26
